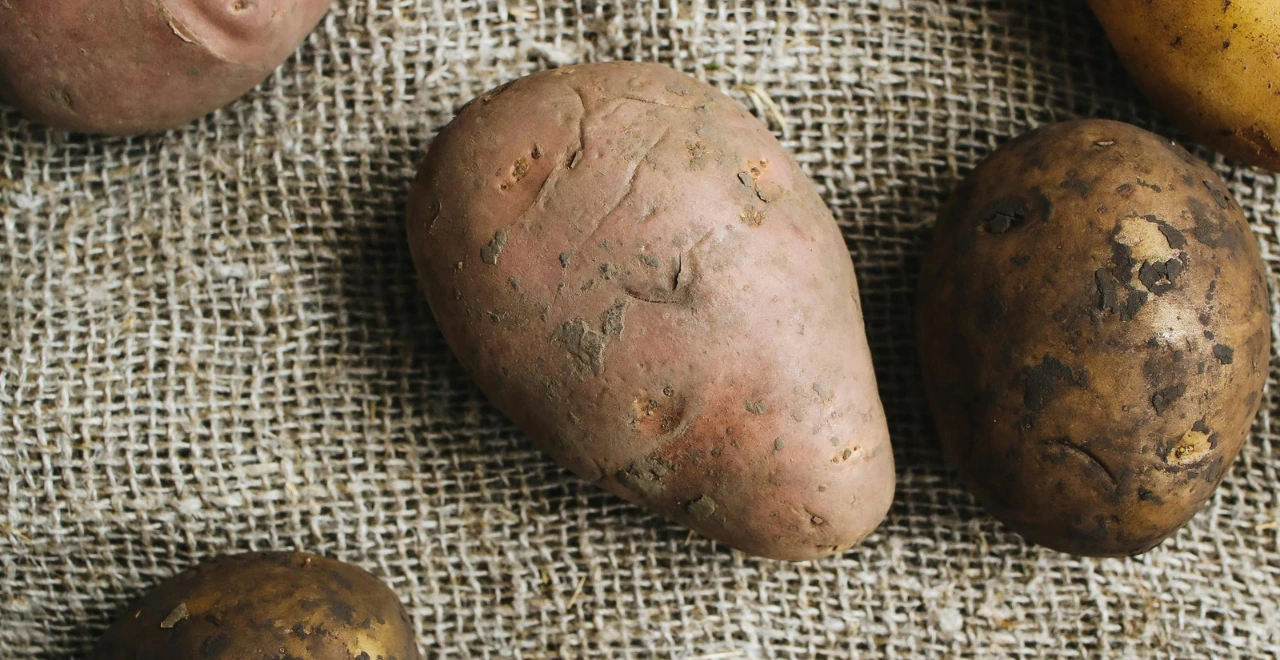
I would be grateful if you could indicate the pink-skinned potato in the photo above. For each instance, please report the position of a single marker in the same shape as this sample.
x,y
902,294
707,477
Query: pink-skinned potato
x,y
129,67
639,275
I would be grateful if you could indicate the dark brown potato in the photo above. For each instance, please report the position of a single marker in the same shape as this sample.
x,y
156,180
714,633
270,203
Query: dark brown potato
x,y
126,67
264,606
1094,335
639,275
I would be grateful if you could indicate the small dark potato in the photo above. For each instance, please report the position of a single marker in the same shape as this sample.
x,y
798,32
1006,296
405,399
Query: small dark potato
x,y
637,273
264,606
127,67
1094,335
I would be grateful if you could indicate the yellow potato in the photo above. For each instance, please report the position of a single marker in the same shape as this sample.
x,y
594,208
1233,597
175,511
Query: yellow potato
x,y
1213,66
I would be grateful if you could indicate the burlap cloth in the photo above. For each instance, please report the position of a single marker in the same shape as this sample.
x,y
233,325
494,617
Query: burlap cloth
x,y
211,341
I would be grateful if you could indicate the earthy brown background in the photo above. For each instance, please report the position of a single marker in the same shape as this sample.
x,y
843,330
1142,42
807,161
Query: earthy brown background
x,y
210,341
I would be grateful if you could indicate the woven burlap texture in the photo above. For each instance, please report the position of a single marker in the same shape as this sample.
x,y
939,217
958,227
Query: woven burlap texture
x,y
211,341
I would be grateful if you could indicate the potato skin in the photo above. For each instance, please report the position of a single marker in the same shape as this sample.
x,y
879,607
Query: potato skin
x,y
264,606
128,67
636,272
1213,67
1094,335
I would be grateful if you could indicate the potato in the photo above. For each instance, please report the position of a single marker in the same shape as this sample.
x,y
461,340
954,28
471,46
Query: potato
x,y
1213,67
1093,334
637,273
264,605
134,66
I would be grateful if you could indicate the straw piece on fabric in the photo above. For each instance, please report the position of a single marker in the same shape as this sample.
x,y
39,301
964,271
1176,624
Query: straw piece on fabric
x,y
211,341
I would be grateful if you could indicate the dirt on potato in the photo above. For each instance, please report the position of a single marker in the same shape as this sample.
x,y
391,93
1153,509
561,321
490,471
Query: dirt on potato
x,y
1094,335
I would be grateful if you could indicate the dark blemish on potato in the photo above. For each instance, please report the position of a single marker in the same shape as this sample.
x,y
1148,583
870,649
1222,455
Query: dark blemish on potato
x,y
308,605
745,179
589,285
1004,214
608,271
514,282
1133,304
702,508
1021,260
1200,367
1121,259
1222,197
1207,231
178,614
1148,496
991,310
1150,186
1208,297
489,253
1225,354
193,71
835,441
1177,240
1176,43
778,444
584,344
365,656
1160,276
757,407
717,452
212,648
1108,300
797,414
668,391
1075,185
299,631
565,257
817,520
650,261
823,392
1042,381
1226,44
1124,190
1165,397
752,217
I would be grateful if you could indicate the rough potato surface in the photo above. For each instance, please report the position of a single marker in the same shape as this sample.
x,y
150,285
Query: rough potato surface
x,y
264,606
1214,67
1094,335
134,66
638,274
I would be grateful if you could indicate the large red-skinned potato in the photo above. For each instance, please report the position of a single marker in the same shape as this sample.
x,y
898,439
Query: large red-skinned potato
x,y
639,275
128,67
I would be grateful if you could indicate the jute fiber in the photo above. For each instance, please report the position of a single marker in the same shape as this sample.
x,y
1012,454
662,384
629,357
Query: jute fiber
x,y
211,341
